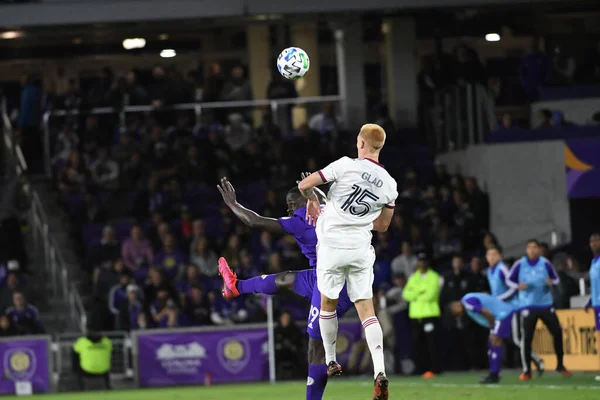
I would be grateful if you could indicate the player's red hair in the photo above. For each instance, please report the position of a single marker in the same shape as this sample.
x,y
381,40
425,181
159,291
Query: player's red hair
x,y
373,135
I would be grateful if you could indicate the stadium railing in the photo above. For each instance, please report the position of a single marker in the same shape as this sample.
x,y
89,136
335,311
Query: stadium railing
x,y
459,115
197,108
54,262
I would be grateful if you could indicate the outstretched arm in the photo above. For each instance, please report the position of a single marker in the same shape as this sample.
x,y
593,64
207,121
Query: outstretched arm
x,y
248,217
308,184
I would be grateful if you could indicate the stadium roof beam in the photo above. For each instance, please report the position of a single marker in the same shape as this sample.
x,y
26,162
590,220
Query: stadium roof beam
x,y
114,11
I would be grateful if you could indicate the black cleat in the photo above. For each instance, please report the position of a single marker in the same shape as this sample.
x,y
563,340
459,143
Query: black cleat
x,y
539,366
490,379
334,369
380,390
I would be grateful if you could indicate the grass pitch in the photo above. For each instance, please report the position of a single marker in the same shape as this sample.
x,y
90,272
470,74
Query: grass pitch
x,y
446,387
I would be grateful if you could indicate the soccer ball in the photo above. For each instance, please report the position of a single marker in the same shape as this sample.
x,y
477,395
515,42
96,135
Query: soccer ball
x,y
293,63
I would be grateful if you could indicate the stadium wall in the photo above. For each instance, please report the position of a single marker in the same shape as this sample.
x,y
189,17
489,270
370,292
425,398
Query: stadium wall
x,y
527,186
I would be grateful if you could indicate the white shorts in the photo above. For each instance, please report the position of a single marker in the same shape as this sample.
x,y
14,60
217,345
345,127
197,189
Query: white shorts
x,y
352,266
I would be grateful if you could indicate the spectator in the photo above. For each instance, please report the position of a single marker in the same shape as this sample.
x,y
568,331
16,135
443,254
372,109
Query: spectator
x,y
226,312
198,232
246,268
132,172
325,122
107,251
125,149
25,317
6,328
457,282
156,282
136,250
13,284
232,251
544,117
159,88
445,246
66,142
106,276
197,309
130,310
171,259
289,348
105,171
237,133
204,258
422,292
406,262
192,278
534,71
118,296
164,309
237,88
192,168
74,176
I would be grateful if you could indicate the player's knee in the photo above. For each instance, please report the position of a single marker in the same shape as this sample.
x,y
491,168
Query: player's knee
x,y
495,340
285,280
316,352
328,304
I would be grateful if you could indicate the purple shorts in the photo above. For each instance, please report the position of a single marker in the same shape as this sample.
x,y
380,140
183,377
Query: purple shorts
x,y
597,317
305,285
503,328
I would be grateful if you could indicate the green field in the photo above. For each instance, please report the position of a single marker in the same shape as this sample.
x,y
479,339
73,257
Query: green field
x,y
447,387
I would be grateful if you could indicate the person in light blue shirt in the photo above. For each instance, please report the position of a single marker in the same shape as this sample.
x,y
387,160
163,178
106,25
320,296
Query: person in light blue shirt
x,y
594,300
533,276
497,275
492,313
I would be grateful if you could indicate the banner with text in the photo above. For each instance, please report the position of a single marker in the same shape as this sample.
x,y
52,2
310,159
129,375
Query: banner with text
x,y
579,341
221,356
192,358
24,364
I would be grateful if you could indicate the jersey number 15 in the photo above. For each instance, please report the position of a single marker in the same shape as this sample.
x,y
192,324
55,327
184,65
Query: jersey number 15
x,y
358,203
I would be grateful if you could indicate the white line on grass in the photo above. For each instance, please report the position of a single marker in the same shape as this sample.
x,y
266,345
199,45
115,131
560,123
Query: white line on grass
x,y
477,386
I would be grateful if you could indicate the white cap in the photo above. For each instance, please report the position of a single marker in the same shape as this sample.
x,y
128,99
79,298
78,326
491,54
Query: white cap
x,y
13,265
131,288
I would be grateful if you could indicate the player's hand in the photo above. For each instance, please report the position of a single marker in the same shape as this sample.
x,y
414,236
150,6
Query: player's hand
x,y
313,210
586,308
227,192
523,286
549,282
303,176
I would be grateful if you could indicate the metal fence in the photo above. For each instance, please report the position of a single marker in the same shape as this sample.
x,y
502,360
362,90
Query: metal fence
x,y
199,109
54,264
460,115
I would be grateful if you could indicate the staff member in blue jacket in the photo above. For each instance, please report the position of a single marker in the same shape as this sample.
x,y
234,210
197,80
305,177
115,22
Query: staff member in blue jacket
x,y
534,276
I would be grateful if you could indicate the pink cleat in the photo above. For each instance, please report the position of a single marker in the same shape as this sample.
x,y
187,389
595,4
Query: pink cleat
x,y
230,290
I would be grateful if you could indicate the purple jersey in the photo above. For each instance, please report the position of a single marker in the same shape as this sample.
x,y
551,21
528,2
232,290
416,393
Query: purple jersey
x,y
303,233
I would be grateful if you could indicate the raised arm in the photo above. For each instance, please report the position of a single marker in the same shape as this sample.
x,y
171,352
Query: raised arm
x,y
248,217
308,184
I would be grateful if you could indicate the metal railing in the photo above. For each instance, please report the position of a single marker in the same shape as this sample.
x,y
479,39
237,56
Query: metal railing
x,y
54,262
197,108
460,115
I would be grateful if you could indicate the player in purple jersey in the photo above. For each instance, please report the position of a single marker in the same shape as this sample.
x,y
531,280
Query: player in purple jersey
x,y
303,283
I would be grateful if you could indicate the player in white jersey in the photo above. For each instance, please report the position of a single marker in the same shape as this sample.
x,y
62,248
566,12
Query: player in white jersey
x,y
360,199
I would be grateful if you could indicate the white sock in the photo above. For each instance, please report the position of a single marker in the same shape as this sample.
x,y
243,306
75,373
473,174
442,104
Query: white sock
x,y
328,323
374,336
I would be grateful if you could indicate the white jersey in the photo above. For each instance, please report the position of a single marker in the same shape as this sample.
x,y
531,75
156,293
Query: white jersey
x,y
361,189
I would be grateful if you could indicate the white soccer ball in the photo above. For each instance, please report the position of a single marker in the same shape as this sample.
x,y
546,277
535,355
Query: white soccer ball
x,y
293,63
